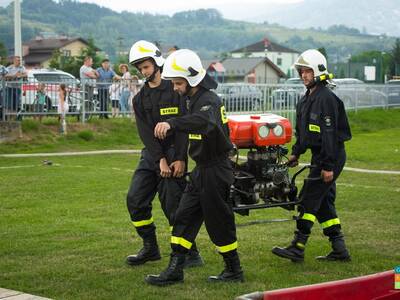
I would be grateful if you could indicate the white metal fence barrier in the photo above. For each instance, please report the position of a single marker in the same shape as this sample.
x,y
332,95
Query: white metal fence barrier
x,y
35,97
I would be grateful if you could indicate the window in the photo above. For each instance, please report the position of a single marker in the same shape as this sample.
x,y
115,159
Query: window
x,y
66,53
279,61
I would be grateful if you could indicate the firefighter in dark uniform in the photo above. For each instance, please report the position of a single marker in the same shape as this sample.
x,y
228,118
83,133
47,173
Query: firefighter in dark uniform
x,y
206,197
322,127
162,163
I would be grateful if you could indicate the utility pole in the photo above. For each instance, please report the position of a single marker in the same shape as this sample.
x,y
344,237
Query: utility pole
x,y
17,29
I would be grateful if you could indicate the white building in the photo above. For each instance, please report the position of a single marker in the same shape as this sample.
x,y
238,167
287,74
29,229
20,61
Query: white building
x,y
281,56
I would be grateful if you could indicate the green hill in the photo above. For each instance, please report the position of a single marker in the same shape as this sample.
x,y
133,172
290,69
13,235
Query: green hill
x,y
204,30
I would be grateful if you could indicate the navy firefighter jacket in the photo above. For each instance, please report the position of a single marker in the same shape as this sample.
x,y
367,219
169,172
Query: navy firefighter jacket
x,y
321,125
159,104
207,126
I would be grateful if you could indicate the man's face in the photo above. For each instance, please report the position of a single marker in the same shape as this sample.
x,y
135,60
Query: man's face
x,y
180,86
89,62
307,75
17,61
105,65
146,68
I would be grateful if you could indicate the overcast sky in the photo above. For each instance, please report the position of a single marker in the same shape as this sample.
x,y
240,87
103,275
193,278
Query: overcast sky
x,y
232,9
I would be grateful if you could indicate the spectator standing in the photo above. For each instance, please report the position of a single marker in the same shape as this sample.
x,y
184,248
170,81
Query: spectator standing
x,y
63,108
106,75
88,78
3,72
115,95
40,101
15,74
125,87
135,87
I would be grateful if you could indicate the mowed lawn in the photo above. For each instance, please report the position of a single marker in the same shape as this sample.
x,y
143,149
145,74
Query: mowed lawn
x,y
65,232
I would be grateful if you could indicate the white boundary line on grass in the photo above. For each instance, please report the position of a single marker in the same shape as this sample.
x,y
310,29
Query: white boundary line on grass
x,y
71,153
131,171
139,151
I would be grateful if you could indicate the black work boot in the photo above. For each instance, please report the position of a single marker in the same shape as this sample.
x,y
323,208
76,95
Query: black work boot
x,y
232,272
149,252
172,274
295,251
193,258
339,251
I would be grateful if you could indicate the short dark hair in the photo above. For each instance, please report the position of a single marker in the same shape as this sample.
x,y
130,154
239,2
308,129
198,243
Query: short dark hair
x,y
105,60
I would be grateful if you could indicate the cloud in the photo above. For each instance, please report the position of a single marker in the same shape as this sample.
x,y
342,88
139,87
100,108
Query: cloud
x,y
229,8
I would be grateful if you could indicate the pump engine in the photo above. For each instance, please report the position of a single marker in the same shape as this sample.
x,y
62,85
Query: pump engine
x,y
262,177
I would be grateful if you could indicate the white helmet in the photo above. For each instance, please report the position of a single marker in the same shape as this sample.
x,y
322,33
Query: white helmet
x,y
185,64
314,60
142,50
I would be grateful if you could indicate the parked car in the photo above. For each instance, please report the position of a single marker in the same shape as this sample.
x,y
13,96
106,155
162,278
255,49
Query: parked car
x,y
52,79
287,96
240,97
393,92
355,93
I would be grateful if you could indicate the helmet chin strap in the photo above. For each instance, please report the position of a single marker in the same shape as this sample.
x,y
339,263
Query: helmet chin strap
x,y
153,75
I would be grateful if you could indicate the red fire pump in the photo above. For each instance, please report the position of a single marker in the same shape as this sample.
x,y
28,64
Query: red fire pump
x,y
262,181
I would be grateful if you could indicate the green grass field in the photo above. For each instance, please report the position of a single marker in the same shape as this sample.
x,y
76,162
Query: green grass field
x,y
65,230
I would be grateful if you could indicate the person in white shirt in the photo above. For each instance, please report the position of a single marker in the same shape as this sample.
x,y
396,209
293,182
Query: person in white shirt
x,y
15,74
125,87
88,77
115,96
63,108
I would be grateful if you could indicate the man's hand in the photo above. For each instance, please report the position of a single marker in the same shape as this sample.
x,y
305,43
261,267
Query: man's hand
x,y
293,161
327,176
160,131
178,168
165,171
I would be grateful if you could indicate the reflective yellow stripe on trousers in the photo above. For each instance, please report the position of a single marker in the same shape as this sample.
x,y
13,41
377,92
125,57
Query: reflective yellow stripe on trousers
x,y
227,248
330,223
143,222
181,241
308,217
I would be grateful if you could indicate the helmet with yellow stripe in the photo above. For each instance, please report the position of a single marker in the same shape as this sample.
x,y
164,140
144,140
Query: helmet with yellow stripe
x,y
314,60
185,64
142,50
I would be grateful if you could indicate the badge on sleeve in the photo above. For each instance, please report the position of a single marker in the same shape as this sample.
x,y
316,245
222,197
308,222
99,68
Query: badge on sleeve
x,y
205,108
328,121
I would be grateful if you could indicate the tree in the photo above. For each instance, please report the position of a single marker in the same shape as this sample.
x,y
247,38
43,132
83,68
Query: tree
x,y
3,53
92,51
395,59
323,51
379,59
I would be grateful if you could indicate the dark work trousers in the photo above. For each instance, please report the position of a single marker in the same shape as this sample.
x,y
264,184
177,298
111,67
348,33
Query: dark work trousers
x,y
146,182
103,99
206,198
319,198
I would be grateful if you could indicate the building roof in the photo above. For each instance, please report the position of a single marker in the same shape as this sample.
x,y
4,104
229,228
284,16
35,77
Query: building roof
x,y
36,58
52,43
244,66
213,65
206,63
263,45
218,67
41,49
